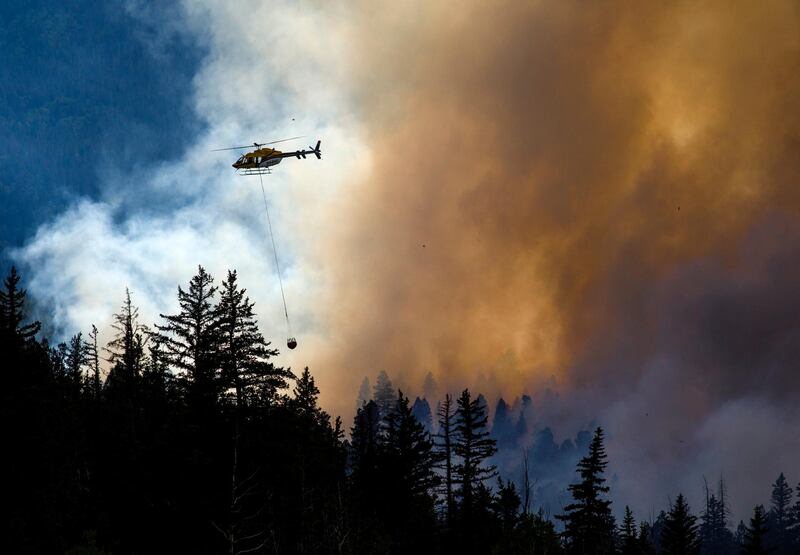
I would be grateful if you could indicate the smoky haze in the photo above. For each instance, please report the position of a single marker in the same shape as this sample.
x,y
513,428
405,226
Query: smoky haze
x,y
603,197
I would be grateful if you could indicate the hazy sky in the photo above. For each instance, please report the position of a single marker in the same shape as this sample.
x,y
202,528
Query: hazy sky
x,y
511,194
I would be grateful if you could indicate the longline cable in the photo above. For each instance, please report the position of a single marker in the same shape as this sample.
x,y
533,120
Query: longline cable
x,y
275,253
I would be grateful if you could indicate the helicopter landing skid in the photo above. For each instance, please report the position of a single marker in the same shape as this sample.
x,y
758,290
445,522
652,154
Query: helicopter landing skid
x,y
255,171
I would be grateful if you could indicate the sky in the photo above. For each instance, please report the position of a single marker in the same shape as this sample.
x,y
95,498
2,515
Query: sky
x,y
512,195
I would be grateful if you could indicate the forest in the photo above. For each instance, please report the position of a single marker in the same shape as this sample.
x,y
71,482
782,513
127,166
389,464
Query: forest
x,y
183,436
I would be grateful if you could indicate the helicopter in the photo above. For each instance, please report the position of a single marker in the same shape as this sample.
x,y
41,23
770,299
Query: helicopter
x,y
261,160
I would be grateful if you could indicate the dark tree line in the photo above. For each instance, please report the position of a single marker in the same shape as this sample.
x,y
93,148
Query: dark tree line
x,y
185,437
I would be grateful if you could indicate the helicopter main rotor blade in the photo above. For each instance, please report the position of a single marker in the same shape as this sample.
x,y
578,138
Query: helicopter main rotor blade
x,y
232,148
256,145
282,140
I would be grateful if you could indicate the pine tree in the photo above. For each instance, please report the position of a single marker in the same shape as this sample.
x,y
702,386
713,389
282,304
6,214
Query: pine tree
x,y
306,392
364,447
12,313
716,538
502,428
384,393
76,359
588,523
126,350
305,396
754,541
506,505
430,389
473,447
444,447
409,447
243,353
315,456
646,535
58,360
156,372
680,535
407,457
93,359
780,520
191,341
422,412
365,487
629,538
364,394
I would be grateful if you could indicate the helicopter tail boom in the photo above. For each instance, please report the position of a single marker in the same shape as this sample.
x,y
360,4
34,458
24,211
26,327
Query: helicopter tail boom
x,y
311,150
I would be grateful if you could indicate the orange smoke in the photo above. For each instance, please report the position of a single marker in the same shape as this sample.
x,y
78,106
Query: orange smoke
x,y
537,167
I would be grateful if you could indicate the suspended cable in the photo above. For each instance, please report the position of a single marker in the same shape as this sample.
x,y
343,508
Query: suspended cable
x,y
292,343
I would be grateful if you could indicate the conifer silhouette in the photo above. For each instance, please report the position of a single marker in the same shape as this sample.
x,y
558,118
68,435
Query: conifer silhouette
x,y
243,353
754,541
12,311
191,341
444,445
680,535
588,523
473,447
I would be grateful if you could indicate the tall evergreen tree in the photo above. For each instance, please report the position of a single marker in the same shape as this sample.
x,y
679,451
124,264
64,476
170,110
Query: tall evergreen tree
x,y
384,393
473,447
191,341
588,523
75,360
754,541
647,545
12,311
315,457
629,538
93,360
306,394
126,349
445,455
430,389
157,378
42,439
364,394
680,535
408,447
506,505
58,361
407,462
780,518
243,353
502,427
716,538
422,412
364,447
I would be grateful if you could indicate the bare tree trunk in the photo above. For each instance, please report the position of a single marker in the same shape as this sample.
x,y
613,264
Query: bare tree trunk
x,y
526,480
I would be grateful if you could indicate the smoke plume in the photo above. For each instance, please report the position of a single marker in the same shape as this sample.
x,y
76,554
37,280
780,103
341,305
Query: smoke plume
x,y
607,196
